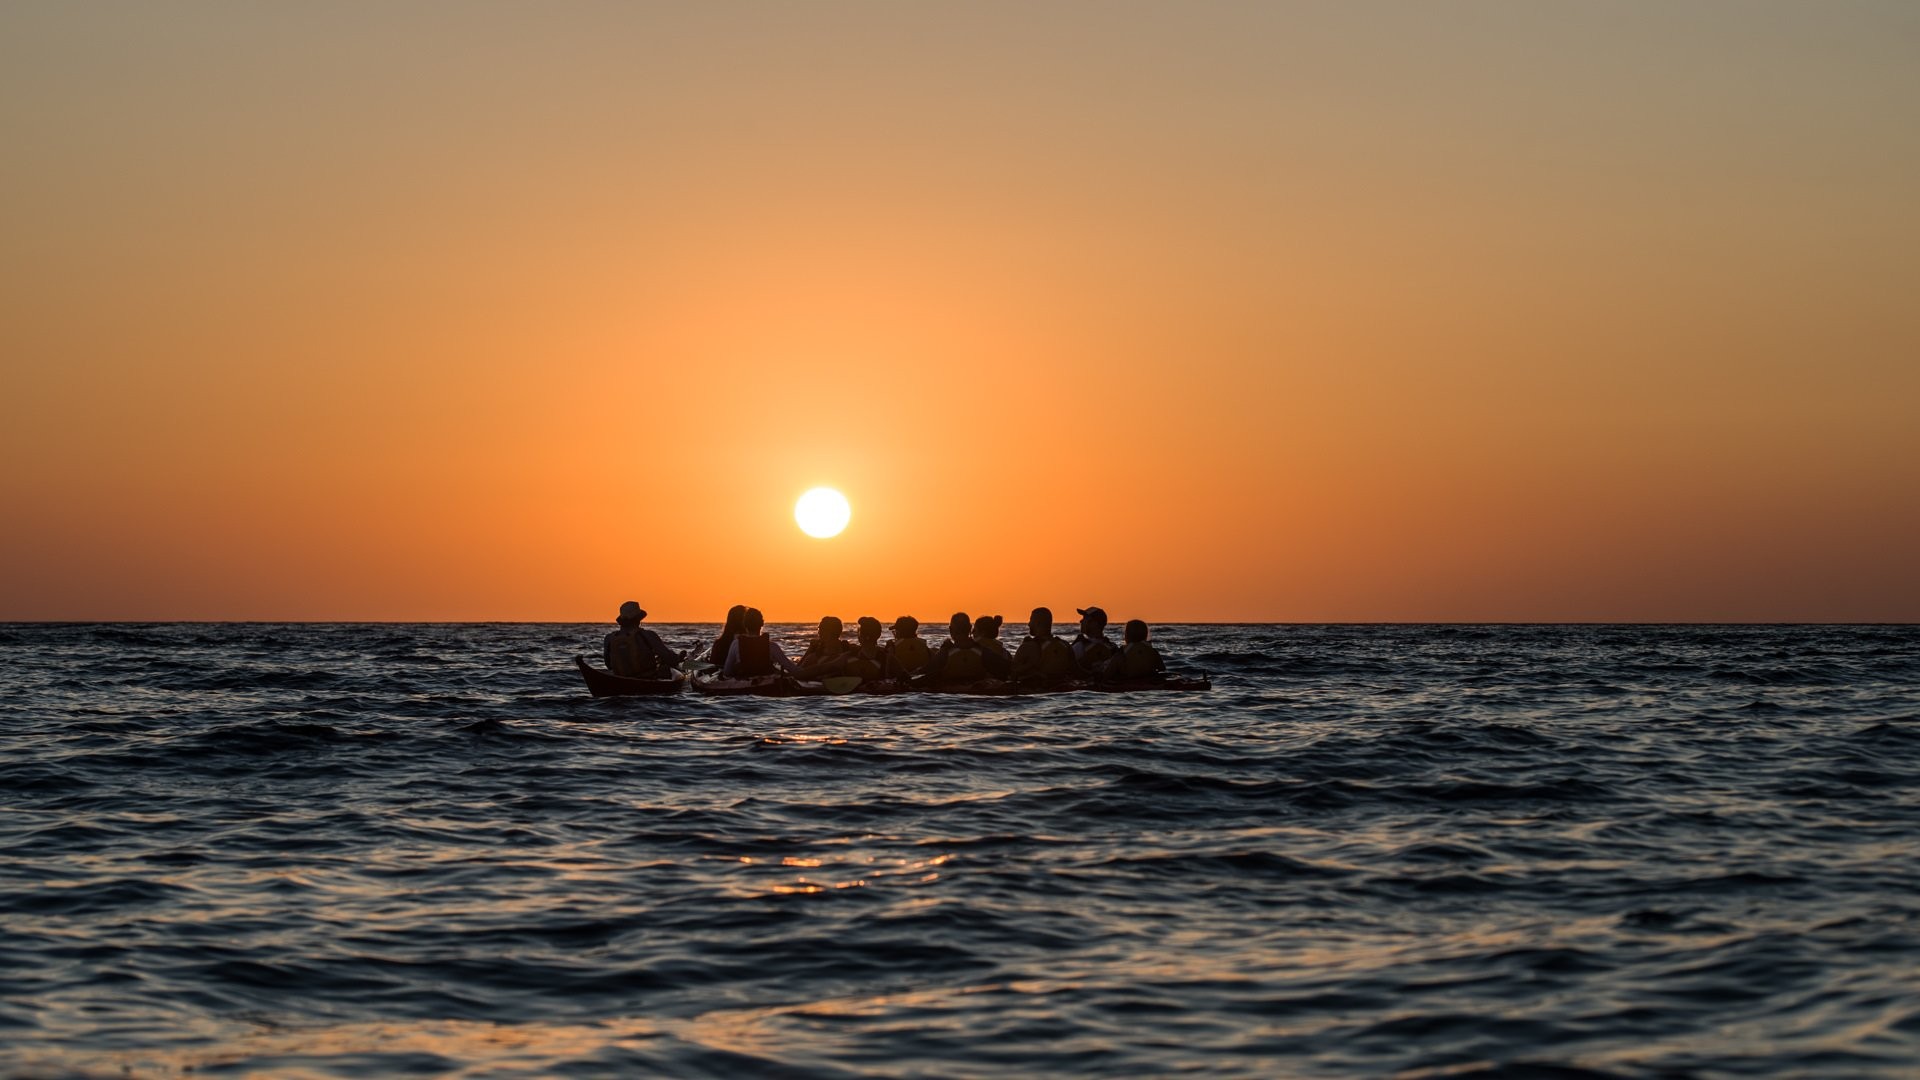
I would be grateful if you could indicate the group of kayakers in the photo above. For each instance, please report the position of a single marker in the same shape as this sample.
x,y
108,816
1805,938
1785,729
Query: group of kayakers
x,y
972,651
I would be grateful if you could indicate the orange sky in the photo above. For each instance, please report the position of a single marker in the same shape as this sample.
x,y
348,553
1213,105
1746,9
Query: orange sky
x,y
1267,312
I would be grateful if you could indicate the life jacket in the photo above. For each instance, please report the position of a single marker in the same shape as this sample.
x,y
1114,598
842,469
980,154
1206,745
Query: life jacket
x,y
1138,660
1099,650
1045,659
822,651
1056,658
867,665
756,655
720,646
629,655
910,654
963,665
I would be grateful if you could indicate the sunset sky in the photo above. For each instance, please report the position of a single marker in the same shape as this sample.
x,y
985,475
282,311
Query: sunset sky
x,y
1292,312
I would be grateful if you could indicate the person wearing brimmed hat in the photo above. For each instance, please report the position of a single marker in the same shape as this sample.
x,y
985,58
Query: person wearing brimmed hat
x,y
1093,648
634,651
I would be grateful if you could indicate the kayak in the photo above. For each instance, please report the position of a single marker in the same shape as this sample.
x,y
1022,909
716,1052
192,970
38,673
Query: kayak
x,y
1002,688
761,686
607,684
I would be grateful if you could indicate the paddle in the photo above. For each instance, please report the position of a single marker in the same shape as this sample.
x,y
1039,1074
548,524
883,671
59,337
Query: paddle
x,y
692,666
842,684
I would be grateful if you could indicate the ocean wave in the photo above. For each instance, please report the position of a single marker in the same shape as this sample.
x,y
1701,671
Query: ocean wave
x,y
1416,851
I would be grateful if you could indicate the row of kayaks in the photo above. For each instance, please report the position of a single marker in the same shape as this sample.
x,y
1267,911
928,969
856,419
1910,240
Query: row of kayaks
x,y
606,684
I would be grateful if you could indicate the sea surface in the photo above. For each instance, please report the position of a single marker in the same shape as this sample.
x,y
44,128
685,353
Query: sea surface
x,y
1429,851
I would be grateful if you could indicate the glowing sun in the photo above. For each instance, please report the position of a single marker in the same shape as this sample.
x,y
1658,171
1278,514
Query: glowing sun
x,y
822,512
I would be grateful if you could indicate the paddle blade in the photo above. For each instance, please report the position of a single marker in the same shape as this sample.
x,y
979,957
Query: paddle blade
x,y
842,684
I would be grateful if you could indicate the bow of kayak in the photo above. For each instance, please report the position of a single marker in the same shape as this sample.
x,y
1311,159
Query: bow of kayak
x,y
607,684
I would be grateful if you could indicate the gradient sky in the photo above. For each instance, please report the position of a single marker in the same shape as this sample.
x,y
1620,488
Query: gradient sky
x,y
1342,311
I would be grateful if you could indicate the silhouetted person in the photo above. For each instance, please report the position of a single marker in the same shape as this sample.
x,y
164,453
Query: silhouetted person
x,y
907,655
634,651
736,615
868,659
1043,659
754,652
986,631
1093,648
1137,659
826,654
959,660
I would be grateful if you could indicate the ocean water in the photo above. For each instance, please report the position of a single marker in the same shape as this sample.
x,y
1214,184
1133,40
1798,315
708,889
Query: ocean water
x,y
1563,851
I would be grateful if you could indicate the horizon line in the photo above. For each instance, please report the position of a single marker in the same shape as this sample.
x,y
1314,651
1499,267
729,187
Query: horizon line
x,y
805,622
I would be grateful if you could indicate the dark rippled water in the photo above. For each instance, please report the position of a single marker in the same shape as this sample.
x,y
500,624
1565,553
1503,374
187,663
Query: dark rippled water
x,y
1482,851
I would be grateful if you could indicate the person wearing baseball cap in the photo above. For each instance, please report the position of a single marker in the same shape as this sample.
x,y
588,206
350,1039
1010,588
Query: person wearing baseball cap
x,y
635,652
1092,649
907,655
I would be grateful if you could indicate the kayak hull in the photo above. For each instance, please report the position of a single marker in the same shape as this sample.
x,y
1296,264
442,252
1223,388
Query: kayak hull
x,y
763,686
1001,688
607,684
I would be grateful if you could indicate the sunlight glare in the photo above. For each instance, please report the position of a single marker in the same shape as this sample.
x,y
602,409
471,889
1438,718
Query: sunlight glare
x,y
822,512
